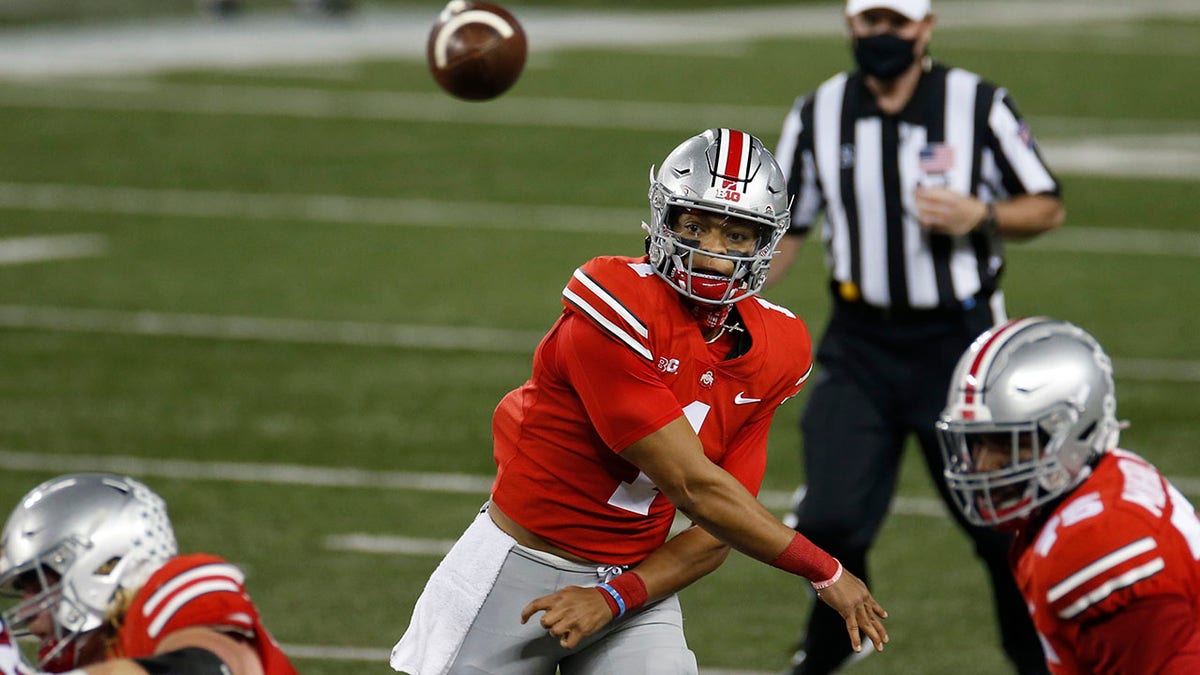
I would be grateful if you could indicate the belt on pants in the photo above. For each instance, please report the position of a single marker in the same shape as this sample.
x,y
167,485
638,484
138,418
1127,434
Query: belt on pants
x,y
907,315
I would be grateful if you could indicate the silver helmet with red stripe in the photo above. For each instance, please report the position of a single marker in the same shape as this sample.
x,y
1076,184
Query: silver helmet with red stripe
x,y
1031,406
70,545
729,173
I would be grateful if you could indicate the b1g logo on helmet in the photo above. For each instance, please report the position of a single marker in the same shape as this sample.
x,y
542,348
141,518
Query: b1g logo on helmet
x,y
728,191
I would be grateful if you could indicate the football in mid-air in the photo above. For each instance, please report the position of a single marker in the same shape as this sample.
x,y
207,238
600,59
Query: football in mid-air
x,y
476,50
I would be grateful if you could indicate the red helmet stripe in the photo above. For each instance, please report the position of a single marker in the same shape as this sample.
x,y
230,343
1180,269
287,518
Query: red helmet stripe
x,y
974,375
737,148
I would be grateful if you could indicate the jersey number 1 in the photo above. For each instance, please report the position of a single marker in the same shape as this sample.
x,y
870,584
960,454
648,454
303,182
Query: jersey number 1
x,y
638,495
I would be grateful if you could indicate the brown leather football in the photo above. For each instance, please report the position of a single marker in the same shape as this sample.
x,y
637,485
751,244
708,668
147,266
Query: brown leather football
x,y
476,50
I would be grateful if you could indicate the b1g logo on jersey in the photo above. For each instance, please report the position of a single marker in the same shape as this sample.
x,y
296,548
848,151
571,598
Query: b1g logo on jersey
x,y
666,365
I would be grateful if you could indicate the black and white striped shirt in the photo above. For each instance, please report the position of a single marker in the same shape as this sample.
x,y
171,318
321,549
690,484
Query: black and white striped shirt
x,y
845,158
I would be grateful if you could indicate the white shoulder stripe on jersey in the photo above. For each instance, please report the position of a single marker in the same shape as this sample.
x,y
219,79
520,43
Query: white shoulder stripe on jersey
x,y
1128,579
211,570
805,375
612,328
1101,566
187,595
609,300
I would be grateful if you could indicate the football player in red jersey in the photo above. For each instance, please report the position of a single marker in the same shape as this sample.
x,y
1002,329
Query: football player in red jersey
x,y
653,392
1106,550
102,587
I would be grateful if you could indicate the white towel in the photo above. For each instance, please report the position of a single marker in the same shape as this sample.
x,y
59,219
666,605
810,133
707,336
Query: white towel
x,y
451,599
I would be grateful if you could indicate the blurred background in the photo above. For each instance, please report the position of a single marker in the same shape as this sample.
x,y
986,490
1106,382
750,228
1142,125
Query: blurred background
x,y
252,255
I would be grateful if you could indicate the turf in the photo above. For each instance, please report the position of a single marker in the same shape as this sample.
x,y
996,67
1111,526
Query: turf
x,y
66,393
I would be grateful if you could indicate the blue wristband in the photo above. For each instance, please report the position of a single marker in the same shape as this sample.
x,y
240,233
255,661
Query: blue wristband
x,y
616,596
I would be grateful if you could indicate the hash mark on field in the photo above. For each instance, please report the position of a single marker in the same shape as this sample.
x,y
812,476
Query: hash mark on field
x,y
25,250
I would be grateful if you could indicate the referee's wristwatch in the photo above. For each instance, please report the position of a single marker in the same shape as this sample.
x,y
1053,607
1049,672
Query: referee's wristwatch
x,y
988,222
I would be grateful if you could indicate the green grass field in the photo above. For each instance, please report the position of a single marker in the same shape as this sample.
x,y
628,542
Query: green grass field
x,y
334,267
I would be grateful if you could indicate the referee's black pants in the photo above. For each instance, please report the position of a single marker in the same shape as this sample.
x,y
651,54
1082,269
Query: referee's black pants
x,y
879,379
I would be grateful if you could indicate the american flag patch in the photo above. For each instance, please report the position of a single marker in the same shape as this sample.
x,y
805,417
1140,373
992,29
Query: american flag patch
x,y
1025,134
936,158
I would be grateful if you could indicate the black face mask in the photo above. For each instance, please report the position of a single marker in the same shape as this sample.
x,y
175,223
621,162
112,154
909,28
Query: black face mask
x,y
885,56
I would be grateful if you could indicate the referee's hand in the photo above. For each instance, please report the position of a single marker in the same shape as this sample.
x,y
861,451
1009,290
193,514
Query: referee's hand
x,y
943,211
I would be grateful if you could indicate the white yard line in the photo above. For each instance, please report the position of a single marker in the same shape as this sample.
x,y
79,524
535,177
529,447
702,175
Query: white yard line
x,y
316,208
274,40
381,656
1169,154
339,477
262,329
373,334
397,212
25,250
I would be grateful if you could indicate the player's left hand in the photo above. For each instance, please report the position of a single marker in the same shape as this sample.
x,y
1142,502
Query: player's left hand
x,y
571,614
944,211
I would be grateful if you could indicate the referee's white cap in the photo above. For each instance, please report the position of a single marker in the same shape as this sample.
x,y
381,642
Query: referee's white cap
x,y
913,9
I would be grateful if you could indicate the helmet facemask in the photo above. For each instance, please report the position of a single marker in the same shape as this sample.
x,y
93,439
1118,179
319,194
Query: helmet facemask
x,y
1022,472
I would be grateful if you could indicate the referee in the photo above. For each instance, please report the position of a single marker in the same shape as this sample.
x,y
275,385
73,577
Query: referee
x,y
921,171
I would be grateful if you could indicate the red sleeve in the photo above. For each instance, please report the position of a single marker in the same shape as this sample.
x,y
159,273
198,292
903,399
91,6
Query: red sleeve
x,y
1149,635
194,590
624,396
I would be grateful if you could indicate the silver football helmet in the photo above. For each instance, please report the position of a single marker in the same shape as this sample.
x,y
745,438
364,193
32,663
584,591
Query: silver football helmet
x,y
71,544
1037,394
727,172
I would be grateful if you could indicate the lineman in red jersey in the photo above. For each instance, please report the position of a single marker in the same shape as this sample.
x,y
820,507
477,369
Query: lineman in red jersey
x,y
645,397
94,560
1106,549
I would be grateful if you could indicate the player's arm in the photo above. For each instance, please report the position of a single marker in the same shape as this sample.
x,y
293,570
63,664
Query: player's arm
x,y
673,458
195,650
945,211
1144,636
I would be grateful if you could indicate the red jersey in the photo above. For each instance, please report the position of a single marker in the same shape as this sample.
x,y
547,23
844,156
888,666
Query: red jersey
x,y
1124,541
197,590
626,358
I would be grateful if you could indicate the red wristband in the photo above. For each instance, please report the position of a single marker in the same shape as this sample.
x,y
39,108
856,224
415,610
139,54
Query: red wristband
x,y
624,593
631,587
806,559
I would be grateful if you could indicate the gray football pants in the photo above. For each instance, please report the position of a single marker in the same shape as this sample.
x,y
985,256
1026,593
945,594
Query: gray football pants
x,y
649,641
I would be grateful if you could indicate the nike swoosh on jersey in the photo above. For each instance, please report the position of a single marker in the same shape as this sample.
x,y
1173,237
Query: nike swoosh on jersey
x,y
742,399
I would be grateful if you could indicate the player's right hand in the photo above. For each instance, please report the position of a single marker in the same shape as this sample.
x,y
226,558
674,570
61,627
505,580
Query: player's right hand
x,y
850,597
571,614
